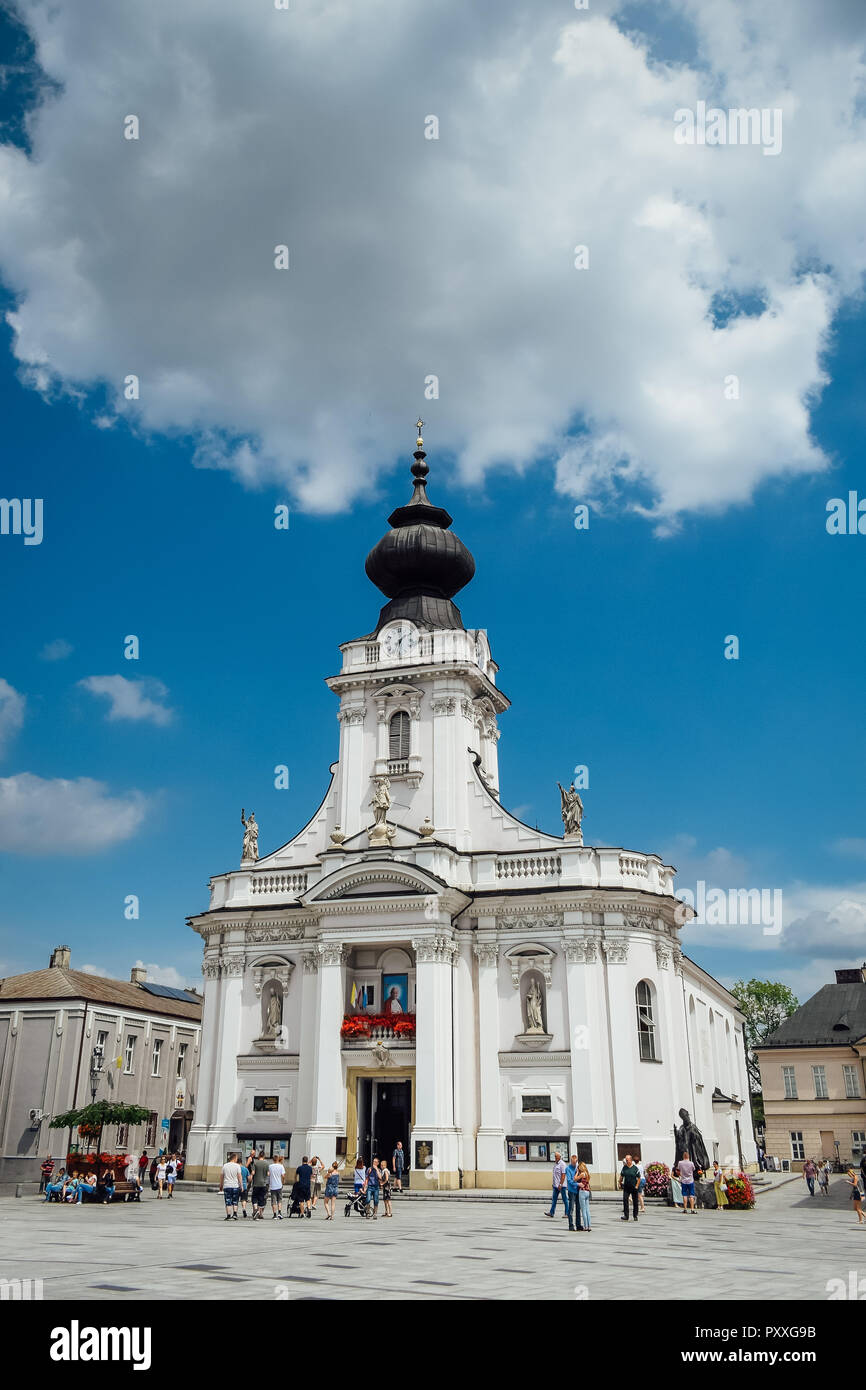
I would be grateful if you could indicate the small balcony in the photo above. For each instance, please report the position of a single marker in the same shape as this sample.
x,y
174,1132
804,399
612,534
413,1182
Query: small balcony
x,y
360,1030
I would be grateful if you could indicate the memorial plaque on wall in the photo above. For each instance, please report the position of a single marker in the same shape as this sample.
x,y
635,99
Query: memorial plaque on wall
x,y
423,1153
268,1103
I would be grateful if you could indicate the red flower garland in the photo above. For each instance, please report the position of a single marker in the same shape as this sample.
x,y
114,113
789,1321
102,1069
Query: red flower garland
x,y
361,1025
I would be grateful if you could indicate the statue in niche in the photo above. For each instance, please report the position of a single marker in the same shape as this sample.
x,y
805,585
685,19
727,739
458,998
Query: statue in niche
x,y
572,811
274,1016
534,1006
250,851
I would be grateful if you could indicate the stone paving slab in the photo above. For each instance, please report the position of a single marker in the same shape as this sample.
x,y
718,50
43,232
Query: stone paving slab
x,y
787,1248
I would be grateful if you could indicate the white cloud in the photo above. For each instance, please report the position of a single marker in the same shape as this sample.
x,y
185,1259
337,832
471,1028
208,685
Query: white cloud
x,y
12,706
837,932
96,970
58,650
131,699
453,257
851,845
54,816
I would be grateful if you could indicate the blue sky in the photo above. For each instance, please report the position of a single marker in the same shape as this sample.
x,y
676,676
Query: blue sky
x,y
745,773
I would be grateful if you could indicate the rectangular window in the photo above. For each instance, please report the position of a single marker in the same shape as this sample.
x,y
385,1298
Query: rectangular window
x,y
155,1059
122,1136
536,1105
129,1056
150,1132
852,1083
820,1078
181,1059
858,1143
790,1079
797,1149
102,1041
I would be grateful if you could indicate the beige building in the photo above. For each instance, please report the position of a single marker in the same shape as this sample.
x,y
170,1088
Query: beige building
x,y
813,1075
66,1035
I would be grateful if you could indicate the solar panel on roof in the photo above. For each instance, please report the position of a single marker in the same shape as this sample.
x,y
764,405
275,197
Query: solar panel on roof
x,y
169,992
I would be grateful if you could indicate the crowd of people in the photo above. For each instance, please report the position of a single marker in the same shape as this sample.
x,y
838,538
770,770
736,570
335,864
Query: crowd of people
x,y
100,1183
250,1182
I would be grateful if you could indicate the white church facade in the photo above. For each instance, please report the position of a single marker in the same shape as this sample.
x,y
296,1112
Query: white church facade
x,y
418,964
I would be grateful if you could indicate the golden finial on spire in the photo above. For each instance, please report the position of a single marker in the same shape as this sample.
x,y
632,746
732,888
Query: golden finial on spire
x,y
419,442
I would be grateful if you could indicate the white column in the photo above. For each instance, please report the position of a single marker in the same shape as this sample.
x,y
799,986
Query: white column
x,y
592,1118
354,776
328,1099
465,1104
622,1039
434,1058
490,1142
306,1054
675,1027
221,1126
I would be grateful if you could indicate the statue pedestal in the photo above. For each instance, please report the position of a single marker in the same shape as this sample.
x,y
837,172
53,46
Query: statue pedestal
x,y
266,1045
536,1040
380,836
575,837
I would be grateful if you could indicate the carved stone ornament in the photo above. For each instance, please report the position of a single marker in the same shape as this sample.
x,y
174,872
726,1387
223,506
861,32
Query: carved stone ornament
x,y
435,948
381,1055
486,952
311,962
615,950
268,932
635,922
581,950
426,828
351,716
531,925
445,704
664,956
678,960
280,973
337,836
333,953
211,967
532,960
233,965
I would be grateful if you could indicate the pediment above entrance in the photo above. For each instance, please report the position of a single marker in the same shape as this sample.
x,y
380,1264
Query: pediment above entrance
x,y
378,879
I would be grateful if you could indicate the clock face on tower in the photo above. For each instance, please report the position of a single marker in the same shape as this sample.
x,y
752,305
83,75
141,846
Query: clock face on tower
x,y
398,641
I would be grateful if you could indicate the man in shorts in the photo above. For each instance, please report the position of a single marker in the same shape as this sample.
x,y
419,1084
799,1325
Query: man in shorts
x,y
276,1174
304,1178
259,1168
686,1175
230,1186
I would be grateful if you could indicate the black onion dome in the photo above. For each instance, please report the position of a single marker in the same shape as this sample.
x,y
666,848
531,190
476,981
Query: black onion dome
x,y
420,565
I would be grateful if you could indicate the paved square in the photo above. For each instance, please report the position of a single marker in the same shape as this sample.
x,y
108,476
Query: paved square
x,y
439,1248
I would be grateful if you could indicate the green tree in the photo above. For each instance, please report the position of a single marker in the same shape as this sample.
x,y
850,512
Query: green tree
x,y
764,1004
99,1114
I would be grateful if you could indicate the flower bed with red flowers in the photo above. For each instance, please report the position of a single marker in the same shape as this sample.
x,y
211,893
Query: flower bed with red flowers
x,y
361,1025
740,1192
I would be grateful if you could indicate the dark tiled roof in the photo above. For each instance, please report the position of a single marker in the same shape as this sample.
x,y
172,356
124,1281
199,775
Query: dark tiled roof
x,y
56,983
835,1016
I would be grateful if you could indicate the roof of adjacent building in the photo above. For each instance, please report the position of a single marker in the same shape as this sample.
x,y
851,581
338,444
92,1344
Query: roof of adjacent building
x,y
835,1016
58,983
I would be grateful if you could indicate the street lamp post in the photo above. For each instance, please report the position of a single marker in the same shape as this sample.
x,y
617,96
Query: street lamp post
x,y
96,1063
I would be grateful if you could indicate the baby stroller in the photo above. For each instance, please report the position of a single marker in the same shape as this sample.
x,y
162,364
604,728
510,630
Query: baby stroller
x,y
357,1202
295,1200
